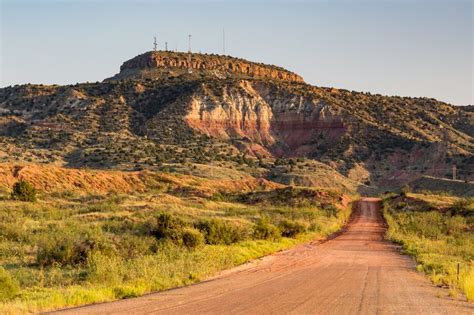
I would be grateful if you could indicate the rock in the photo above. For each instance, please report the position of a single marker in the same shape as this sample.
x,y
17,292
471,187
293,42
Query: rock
x,y
216,65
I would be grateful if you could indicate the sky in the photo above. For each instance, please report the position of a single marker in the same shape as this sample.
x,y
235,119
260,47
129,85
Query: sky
x,y
398,47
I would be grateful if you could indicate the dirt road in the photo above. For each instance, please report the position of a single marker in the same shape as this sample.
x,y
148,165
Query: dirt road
x,y
355,273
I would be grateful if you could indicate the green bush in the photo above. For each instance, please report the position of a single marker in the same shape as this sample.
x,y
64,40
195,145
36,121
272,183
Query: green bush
x,y
23,191
264,230
68,246
405,190
192,238
168,226
290,228
221,232
331,211
8,286
131,246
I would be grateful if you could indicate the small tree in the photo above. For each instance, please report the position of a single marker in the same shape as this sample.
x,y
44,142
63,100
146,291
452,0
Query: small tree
x,y
23,191
192,238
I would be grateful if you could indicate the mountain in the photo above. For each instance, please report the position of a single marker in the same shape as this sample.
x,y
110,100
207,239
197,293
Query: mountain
x,y
165,109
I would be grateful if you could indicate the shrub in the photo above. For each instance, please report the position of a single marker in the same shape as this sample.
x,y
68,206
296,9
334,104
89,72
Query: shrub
x,y
63,252
405,190
290,228
192,238
23,191
8,286
331,211
131,246
221,232
401,205
168,226
70,247
105,269
264,230
14,231
454,225
126,292
463,207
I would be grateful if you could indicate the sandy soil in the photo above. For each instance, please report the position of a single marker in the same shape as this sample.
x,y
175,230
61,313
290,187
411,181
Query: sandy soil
x,y
357,272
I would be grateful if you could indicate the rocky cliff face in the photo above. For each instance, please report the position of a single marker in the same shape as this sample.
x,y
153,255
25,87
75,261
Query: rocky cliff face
x,y
163,63
281,125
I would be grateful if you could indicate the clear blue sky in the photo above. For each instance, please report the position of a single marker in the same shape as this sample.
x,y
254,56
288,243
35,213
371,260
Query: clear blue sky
x,y
405,47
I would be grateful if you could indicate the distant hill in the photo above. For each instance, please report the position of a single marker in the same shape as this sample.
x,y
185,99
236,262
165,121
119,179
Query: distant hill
x,y
167,108
434,185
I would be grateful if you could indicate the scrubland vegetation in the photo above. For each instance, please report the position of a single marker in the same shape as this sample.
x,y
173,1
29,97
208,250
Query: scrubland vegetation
x,y
438,232
136,123
70,248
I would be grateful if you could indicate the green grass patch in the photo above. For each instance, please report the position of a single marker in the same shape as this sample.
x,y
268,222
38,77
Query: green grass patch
x,y
67,250
439,240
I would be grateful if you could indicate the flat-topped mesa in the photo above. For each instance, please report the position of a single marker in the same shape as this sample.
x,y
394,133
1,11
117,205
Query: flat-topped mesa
x,y
165,62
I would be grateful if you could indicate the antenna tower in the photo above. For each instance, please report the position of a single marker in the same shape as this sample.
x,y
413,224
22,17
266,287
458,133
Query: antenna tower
x,y
155,44
223,41
190,70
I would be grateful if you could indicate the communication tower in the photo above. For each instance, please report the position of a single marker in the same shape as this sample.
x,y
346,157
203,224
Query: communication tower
x,y
223,41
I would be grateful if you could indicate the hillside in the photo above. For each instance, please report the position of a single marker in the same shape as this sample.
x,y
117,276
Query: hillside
x,y
54,179
166,109
443,186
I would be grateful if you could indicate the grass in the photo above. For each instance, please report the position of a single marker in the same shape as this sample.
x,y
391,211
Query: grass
x,y
69,249
437,232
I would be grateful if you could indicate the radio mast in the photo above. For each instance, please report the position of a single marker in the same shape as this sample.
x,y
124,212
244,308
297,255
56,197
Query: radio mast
x,y
155,44
190,70
189,43
223,41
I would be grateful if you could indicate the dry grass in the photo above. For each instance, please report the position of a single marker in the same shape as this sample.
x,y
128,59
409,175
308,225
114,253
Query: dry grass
x,y
435,200
50,178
